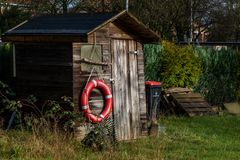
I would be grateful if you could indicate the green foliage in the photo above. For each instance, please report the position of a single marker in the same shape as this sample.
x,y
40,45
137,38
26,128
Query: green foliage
x,y
216,74
219,80
6,99
6,90
101,137
179,66
57,112
11,16
5,61
175,66
54,115
152,57
8,102
238,77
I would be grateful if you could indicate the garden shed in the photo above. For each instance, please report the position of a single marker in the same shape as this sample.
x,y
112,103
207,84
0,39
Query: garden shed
x,y
54,55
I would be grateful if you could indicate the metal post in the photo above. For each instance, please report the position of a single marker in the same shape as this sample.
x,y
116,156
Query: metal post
x,y
126,5
14,61
191,22
11,120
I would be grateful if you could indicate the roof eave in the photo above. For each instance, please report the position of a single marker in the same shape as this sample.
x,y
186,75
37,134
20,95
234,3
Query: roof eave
x,y
44,38
143,25
155,38
106,22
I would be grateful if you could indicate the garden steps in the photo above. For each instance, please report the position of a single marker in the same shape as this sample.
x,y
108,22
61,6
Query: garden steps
x,y
184,101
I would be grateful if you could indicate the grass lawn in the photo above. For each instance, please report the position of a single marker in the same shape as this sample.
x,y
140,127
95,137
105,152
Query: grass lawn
x,y
210,138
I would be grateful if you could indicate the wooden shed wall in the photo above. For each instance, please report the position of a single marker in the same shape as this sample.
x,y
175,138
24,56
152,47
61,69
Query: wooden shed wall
x,y
44,70
142,93
104,36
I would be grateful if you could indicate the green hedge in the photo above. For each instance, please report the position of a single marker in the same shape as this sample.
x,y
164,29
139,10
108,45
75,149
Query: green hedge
x,y
214,74
219,81
173,65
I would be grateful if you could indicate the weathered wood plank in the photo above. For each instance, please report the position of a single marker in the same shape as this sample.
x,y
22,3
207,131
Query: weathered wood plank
x,y
198,105
76,74
197,109
134,91
178,90
142,93
192,100
190,103
43,69
188,95
121,89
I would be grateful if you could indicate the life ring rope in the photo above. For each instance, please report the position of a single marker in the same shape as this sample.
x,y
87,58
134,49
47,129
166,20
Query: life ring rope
x,y
99,84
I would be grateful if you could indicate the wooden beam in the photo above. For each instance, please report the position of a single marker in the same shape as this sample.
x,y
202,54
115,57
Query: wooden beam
x,y
43,38
88,61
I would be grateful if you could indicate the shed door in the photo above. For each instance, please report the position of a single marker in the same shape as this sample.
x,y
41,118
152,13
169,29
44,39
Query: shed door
x,y
125,89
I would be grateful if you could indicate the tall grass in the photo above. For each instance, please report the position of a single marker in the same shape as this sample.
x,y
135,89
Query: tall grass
x,y
219,80
152,56
26,145
198,138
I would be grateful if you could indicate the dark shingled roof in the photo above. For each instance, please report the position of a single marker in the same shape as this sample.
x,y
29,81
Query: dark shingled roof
x,y
77,24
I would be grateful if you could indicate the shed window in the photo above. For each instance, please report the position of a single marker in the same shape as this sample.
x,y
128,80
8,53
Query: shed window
x,y
91,53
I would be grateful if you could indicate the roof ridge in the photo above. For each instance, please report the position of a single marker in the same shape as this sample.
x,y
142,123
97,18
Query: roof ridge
x,y
74,14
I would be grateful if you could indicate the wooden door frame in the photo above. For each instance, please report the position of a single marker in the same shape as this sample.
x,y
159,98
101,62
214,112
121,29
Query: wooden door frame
x,y
121,120
130,98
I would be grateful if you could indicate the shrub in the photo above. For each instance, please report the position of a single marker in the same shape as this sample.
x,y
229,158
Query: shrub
x,y
175,66
102,136
179,66
53,114
219,80
55,117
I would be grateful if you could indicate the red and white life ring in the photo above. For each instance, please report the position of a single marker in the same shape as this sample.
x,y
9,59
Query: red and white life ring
x,y
107,103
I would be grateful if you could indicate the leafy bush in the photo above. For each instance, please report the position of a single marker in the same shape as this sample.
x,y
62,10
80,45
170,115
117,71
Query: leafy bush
x,y
102,136
173,65
179,66
219,80
8,104
52,114
53,118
